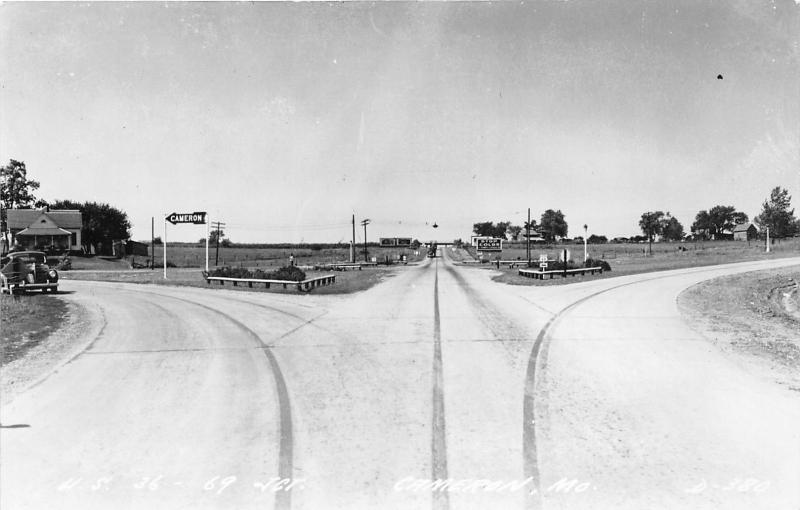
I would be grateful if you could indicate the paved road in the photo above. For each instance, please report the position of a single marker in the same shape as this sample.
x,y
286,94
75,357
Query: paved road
x,y
593,395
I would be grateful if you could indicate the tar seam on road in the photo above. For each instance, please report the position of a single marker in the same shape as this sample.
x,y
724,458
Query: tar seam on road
x,y
441,500
283,499
529,447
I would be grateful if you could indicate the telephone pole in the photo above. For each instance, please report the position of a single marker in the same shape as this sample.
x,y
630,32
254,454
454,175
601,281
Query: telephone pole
x,y
152,243
365,223
528,237
217,225
353,243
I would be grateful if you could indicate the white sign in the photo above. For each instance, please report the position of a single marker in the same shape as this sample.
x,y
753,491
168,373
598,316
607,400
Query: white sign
x,y
543,265
543,258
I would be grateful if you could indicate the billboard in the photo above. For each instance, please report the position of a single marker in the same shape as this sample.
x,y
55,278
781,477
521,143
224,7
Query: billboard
x,y
395,241
489,244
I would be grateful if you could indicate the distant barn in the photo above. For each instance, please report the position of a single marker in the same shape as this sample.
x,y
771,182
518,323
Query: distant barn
x,y
745,232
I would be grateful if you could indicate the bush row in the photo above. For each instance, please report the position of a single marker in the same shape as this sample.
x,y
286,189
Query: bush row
x,y
290,273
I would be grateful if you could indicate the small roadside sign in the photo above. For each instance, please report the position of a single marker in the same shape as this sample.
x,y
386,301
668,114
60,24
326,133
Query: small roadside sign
x,y
543,257
543,265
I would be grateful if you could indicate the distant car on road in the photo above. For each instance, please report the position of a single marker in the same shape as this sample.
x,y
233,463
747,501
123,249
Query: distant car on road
x,y
27,270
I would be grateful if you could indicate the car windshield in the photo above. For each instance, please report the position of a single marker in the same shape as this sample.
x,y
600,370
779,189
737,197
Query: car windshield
x,y
31,258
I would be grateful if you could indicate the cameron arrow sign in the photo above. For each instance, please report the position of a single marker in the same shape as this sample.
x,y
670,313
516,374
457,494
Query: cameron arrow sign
x,y
196,218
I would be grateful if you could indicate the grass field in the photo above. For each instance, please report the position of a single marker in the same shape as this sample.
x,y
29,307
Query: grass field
x,y
630,258
183,255
346,281
27,319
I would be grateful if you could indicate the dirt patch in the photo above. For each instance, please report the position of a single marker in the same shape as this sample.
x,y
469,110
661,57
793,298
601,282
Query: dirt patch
x,y
752,316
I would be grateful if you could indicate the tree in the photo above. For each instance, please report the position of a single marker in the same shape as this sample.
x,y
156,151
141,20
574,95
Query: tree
x,y
652,224
776,215
102,223
552,224
717,220
594,239
212,238
672,229
702,226
514,230
16,192
490,229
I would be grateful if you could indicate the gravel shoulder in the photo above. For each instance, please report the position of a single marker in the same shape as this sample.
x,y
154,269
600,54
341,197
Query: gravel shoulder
x,y
753,317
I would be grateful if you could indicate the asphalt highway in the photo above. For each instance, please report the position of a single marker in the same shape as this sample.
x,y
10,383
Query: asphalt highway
x,y
437,388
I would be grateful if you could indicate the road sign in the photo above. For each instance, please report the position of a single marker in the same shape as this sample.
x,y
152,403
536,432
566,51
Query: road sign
x,y
543,265
543,257
489,244
195,218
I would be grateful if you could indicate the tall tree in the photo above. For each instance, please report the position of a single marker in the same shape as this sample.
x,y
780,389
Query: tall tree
x,y
717,220
514,231
16,192
102,223
776,215
702,225
652,224
491,229
672,229
552,224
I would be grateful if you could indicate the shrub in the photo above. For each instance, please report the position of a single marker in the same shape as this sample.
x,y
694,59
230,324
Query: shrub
x,y
590,262
291,273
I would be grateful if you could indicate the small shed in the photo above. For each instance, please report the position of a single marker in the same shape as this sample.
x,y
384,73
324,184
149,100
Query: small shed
x,y
745,232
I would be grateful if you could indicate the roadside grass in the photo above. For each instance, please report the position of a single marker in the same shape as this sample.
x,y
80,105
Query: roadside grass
x,y
27,320
628,259
190,255
747,313
346,281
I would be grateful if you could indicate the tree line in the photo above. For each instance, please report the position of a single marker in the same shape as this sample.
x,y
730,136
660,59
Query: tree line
x,y
717,222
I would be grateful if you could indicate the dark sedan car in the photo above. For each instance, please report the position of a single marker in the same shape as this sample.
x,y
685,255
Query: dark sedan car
x,y
27,270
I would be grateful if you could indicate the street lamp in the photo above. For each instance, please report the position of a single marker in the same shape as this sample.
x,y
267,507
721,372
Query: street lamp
x,y
585,232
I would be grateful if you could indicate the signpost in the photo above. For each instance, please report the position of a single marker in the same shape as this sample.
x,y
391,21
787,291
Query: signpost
x,y
543,261
193,218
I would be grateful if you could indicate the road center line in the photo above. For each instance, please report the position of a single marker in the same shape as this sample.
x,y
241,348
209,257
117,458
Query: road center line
x,y
441,500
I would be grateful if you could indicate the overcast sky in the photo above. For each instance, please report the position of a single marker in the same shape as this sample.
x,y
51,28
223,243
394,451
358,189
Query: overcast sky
x,y
283,119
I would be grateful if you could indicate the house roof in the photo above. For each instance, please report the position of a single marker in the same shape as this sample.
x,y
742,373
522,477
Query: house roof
x,y
743,227
23,218
43,231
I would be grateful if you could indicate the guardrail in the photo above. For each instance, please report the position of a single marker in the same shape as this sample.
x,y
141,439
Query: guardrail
x,y
343,266
304,285
539,275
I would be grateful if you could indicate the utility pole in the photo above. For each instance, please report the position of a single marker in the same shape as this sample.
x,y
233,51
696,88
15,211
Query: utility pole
x,y
365,223
152,242
528,237
217,225
353,243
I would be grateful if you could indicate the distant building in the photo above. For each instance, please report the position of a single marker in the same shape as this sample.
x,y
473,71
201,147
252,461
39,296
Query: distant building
x,y
745,232
52,231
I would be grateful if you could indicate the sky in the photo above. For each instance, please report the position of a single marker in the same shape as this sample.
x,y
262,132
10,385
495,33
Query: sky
x,y
284,119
